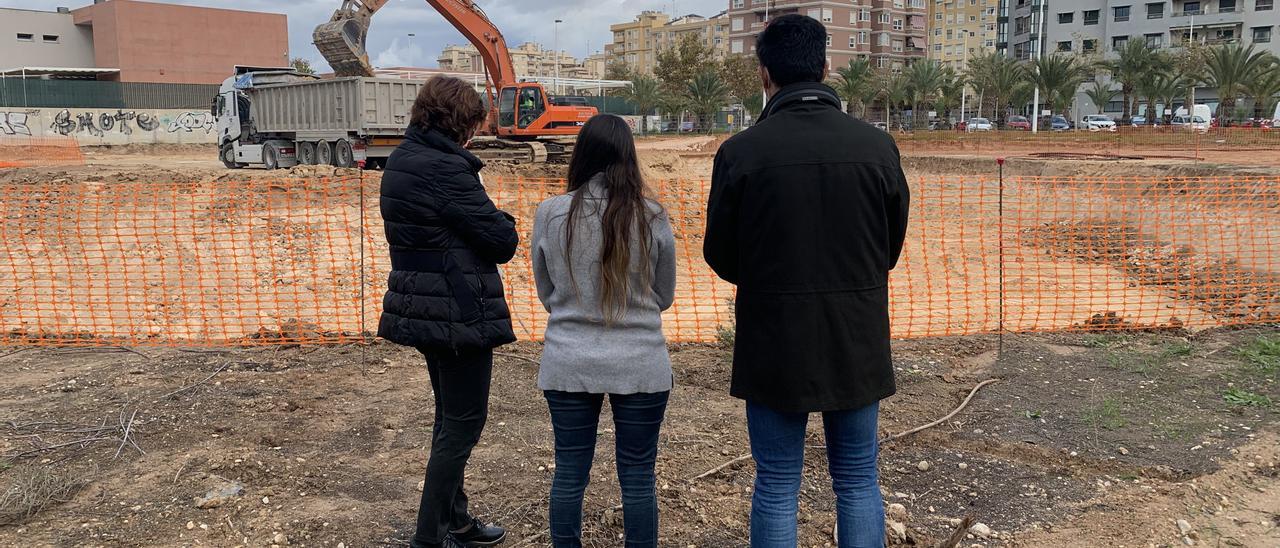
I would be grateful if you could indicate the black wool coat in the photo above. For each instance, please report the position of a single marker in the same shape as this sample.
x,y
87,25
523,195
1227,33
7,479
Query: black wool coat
x,y
447,239
807,216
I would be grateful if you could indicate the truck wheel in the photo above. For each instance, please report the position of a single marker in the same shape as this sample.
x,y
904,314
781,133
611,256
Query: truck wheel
x,y
342,154
306,153
228,156
324,153
270,157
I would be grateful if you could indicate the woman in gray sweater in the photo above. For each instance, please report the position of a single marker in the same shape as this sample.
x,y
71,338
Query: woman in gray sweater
x,y
604,262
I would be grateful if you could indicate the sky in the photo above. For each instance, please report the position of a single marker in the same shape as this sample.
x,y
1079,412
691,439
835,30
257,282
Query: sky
x,y
585,29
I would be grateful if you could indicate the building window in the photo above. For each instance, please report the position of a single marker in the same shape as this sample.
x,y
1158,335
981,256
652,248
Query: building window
x,y
50,38
1191,8
1226,6
1262,35
1155,40
26,37
735,46
828,40
737,24
1264,5
738,4
1064,46
1066,18
1155,10
1118,42
853,41
1121,13
1091,17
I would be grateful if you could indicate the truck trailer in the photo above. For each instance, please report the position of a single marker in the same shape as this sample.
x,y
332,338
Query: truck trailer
x,y
277,117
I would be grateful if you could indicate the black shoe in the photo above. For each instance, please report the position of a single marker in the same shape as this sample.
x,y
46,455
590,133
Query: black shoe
x,y
451,542
480,535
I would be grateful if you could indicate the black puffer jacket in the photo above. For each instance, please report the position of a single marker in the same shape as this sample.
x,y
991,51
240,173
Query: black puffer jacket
x,y
447,239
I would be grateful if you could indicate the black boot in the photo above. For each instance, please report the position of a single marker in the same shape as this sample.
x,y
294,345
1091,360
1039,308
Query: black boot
x,y
479,535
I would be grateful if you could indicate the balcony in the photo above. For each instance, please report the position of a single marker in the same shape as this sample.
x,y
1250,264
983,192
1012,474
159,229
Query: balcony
x,y
1208,16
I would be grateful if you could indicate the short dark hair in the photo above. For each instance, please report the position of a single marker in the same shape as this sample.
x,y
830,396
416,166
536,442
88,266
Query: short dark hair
x,y
793,48
448,105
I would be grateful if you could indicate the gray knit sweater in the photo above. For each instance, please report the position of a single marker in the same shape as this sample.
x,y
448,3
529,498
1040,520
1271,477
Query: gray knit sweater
x,y
581,354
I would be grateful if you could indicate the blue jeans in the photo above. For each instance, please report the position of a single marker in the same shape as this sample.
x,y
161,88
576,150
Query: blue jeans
x,y
777,444
637,419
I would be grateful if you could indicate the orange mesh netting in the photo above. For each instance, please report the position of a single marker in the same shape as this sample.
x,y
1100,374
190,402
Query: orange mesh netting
x,y
304,261
39,151
1159,141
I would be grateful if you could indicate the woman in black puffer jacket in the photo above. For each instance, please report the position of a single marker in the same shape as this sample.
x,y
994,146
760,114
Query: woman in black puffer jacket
x,y
444,296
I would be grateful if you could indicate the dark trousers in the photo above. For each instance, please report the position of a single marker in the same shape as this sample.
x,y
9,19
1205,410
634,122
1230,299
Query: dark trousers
x,y
637,418
461,386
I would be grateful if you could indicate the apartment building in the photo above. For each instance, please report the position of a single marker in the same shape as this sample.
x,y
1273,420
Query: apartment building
x,y
529,58
891,33
1102,26
638,43
960,29
1018,27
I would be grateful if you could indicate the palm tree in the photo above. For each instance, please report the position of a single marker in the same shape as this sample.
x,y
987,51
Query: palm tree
x,y
998,80
706,95
1161,88
1058,76
1101,95
924,79
1263,88
949,93
897,91
1229,68
646,94
852,82
1136,60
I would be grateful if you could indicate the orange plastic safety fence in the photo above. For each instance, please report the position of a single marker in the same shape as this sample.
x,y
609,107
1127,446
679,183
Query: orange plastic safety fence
x,y
1179,141
39,151
267,262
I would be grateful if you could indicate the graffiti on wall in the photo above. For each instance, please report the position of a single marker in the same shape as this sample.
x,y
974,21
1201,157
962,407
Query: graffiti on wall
x,y
98,124
15,123
193,121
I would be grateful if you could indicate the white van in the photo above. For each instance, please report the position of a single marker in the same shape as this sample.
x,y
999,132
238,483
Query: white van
x,y
1275,120
1200,120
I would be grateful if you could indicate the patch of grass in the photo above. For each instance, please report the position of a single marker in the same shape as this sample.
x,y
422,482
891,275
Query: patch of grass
x,y
32,488
1236,396
1144,363
1263,353
1176,349
1032,414
726,336
1109,415
1172,432
1105,340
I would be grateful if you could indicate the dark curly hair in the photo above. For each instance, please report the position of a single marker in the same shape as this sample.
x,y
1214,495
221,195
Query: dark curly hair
x,y
448,105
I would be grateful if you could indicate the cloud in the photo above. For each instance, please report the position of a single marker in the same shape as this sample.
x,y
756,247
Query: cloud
x,y
400,53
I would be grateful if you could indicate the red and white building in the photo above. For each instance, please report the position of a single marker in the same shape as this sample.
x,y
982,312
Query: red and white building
x,y
890,33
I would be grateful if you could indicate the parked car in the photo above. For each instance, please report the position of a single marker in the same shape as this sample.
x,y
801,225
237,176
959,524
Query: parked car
x,y
881,126
1138,121
979,124
1020,123
1060,123
1099,122
962,125
1194,123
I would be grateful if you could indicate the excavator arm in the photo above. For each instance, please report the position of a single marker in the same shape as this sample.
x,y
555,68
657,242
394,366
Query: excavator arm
x,y
342,40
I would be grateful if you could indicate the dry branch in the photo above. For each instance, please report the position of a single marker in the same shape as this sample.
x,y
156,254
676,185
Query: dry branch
x,y
202,381
941,420
518,357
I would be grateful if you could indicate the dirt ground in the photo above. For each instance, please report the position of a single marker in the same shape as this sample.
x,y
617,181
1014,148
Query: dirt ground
x,y
1086,439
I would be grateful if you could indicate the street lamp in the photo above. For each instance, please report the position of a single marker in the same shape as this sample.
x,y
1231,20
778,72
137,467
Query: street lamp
x,y
411,35
555,57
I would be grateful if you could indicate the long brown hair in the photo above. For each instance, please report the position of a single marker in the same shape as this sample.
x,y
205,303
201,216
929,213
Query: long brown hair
x,y
605,147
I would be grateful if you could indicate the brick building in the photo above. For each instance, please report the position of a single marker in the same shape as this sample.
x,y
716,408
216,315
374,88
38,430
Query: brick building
x,y
890,33
638,42
960,29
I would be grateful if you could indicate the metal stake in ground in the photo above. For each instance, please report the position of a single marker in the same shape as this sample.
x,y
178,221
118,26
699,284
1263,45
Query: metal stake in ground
x,y
1000,238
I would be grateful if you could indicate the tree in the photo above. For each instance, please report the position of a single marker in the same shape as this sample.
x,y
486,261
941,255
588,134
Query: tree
x,y
741,73
646,95
949,93
924,78
1230,68
1135,61
853,82
1101,95
617,69
707,94
676,67
1263,88
1189,64
302,65
999,80
1161,89
897,91
1058,76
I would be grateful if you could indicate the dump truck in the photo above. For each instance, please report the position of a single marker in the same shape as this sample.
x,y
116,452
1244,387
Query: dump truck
x,y
277,117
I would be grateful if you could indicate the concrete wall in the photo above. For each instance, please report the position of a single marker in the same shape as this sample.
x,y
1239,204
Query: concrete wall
x,y
73,46
109,126
152,42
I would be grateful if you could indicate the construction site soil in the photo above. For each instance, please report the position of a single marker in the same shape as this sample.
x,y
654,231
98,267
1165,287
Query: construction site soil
x,y
1085,439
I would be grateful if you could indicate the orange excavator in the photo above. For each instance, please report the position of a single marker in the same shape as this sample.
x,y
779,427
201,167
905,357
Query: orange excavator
x,y
523,124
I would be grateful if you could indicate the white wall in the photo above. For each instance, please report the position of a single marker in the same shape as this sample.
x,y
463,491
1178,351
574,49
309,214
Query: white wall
x,y
90,126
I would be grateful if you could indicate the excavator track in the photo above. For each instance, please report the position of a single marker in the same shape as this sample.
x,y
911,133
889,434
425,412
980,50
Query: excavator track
x,y
521,152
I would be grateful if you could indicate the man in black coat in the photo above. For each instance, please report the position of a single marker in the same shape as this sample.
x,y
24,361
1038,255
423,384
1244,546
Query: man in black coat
x,y
444,295
807,216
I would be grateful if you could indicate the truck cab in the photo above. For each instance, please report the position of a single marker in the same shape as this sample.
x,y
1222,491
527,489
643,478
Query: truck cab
x,y
239,145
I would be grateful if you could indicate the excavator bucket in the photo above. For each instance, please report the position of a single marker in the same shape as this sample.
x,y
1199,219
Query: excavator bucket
x,y
342,43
